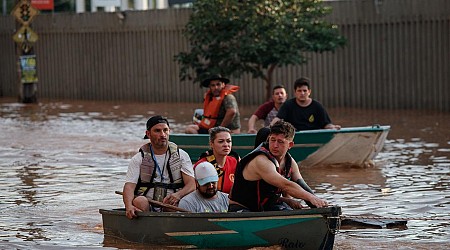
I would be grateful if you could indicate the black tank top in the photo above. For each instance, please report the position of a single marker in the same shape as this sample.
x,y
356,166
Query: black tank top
x,y
255,195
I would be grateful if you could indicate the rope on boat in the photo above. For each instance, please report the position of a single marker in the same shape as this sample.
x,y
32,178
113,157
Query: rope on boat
x,y
392,218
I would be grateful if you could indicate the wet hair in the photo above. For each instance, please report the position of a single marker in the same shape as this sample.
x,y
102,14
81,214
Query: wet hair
x,y
214,131
302,81
282,127
279,86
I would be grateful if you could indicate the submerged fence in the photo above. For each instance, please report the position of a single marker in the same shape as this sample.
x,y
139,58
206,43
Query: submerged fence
x,y
397,56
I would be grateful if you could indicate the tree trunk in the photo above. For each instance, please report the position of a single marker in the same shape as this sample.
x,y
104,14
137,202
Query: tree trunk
x,y
268,80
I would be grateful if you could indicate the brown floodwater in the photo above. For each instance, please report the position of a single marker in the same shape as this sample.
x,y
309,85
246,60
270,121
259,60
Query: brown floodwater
x,y
61,161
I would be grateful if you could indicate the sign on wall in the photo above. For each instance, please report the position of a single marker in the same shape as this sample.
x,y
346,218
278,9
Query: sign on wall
x,y
42,4
28,69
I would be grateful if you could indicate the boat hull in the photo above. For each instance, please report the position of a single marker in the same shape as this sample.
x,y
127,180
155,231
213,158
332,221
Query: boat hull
x,y
353,145
298,229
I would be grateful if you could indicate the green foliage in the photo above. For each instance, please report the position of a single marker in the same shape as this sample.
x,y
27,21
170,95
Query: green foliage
x,y
233,37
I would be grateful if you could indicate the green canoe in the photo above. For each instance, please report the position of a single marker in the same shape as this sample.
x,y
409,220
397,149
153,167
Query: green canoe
x,y
356,146
297,229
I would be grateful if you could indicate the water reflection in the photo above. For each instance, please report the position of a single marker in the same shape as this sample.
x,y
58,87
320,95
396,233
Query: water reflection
x,y
27,175
62,161
343,177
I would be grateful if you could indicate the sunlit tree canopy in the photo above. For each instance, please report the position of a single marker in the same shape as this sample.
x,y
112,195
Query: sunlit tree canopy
x,y
233,37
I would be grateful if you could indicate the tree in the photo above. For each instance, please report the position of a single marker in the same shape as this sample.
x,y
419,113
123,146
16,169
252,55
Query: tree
x,y
233,37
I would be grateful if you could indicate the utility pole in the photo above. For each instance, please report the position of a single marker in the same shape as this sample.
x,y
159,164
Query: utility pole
x,y
25,38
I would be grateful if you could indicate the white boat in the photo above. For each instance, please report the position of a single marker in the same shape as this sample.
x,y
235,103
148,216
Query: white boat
x,y
355,146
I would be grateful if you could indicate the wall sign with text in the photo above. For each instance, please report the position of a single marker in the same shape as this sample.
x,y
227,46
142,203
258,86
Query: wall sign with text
x,y
28,69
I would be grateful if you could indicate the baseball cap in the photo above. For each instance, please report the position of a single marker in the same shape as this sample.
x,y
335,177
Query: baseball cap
x,y
205,172
155,120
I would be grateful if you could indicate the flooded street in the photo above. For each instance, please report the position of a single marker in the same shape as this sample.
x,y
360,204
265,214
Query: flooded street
x,y
61,161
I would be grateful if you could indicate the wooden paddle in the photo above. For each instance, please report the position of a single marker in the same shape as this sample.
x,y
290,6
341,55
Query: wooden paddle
x,y
160,204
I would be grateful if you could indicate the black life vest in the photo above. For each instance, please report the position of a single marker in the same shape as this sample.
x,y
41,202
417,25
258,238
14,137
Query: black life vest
x,y
255,195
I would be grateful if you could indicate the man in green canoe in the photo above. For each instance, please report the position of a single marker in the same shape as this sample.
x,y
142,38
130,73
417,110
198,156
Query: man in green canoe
x,y
220,107
259,184
206,199
268,110
159,171
303,112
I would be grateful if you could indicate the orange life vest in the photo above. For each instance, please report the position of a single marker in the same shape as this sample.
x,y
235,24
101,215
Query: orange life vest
x,y
211,106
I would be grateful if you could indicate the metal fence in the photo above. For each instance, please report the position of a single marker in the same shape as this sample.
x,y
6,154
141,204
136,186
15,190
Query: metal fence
x,y
397,56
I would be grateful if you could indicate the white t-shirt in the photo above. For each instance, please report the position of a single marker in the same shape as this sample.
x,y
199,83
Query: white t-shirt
x,y
135,163
195,202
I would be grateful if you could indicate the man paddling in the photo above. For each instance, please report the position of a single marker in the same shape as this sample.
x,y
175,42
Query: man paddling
x,y
288,166
160,171
259,184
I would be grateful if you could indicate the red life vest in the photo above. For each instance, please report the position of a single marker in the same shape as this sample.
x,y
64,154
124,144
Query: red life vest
x,y
225,173
211,106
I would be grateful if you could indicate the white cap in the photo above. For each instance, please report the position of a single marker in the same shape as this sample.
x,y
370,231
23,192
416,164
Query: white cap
x,y
205,172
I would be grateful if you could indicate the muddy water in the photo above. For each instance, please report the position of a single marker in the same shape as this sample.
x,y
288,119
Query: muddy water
x,y
62,161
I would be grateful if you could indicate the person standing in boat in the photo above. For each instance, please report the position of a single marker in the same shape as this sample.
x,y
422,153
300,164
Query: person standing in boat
x,y
269,110
160,171
219,107
206,198
221,157
304,112
259,184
